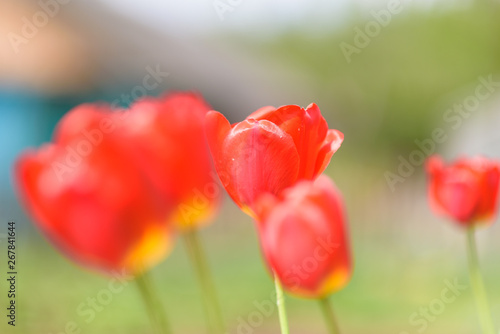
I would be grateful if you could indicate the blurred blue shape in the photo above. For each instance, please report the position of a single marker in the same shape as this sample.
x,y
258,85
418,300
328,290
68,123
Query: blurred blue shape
x,y
26,120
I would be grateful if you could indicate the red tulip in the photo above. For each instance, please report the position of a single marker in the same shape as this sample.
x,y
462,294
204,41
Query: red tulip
x,y
304,238
466,191
90,199
170,144
270,150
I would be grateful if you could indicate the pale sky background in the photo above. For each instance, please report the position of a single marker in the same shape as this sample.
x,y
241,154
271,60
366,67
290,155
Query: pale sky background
x,y
265,16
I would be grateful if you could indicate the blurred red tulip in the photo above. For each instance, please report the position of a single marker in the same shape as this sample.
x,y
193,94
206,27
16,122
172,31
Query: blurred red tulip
x,y
170,144
305,240
270,150
466,191
90,198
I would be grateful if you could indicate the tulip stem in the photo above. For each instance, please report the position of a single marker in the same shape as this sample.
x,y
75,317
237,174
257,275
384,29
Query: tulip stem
x,y
154,307
476,278
280,302
329,315
212,308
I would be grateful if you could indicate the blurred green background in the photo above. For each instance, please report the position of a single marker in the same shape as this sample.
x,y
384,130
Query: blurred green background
x,y
395,91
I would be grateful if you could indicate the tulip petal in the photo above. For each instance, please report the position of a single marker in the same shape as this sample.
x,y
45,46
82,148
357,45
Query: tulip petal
x,y
86,122
262,113
490,191
459,195
289,118
265,159
28,169
333,140
217,129
309,131
252,158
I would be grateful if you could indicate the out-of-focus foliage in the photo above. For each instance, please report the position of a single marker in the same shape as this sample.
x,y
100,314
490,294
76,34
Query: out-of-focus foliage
x,y
391,92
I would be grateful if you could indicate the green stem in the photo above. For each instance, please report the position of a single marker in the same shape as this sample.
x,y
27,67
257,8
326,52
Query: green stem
x,y
280,301
211,303
154,307
329,315
476,278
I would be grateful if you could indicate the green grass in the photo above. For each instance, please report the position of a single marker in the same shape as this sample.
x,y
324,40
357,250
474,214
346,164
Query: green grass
x,y
389,284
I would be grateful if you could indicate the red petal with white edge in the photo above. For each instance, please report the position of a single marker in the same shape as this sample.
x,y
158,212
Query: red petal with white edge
x,y
308,129
252,158
217,128
333,140
262,158
262,113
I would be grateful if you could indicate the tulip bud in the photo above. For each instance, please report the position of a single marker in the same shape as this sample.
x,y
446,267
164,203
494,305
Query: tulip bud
x,y
465,191
304,238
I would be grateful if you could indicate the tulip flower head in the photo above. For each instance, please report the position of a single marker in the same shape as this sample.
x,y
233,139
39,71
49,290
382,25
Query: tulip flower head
x,y
170,144
270,150
304,238
90,199
465,191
